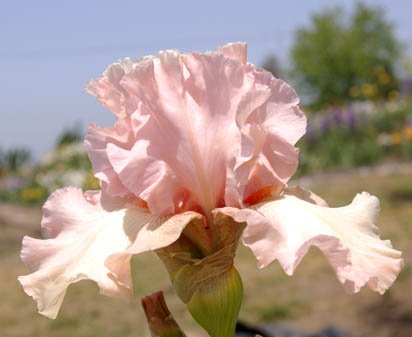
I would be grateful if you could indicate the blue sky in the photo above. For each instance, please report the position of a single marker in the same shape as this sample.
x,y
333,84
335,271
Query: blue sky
x,y
50,49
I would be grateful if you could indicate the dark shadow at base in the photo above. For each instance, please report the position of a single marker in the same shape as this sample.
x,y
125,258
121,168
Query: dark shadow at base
x,y
244,330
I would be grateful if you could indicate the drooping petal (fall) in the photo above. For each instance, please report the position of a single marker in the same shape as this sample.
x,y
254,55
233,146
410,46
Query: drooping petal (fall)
x,y
85,230
285,228
191,124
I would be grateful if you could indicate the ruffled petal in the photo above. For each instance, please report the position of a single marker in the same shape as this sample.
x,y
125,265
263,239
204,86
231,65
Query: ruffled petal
x,y
96,142
190,101
281,114
271,123
208,125
109,91
158,232
266,160
150,179
84,231
236,51
285,228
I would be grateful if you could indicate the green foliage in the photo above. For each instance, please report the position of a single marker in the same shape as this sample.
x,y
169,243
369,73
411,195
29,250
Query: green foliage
x,y
276,312
340,58
271,64
13,159
70,136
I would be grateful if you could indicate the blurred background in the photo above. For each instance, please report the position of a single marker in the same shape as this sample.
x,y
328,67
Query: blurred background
x,y
350,62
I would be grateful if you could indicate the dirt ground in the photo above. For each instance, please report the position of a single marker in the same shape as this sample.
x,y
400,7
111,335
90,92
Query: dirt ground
x,y
309,300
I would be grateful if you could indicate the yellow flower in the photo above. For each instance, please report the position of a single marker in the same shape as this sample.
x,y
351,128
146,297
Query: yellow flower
x,y
354,92
30,194
407,132
393,94
369,90
383,78
396,137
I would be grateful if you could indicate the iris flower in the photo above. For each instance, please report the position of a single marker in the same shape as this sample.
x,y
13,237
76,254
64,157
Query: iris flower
x,y
202,150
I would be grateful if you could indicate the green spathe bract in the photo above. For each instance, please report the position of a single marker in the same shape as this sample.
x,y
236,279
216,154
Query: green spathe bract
x,y
216,305
210,286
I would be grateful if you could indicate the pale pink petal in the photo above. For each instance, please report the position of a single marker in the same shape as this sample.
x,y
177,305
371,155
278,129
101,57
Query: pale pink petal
x,y
235,50
286,227
158,232
83,235
96,142
191,100
271,123
109,91
250,102
209,125
281,114
146,177
265,160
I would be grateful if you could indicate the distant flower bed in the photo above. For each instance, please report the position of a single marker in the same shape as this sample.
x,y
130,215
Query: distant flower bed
x,y
67,165
356,135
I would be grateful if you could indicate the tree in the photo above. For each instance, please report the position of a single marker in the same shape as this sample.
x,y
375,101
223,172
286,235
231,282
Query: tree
x,y
14,159
70,135
271,64
340,58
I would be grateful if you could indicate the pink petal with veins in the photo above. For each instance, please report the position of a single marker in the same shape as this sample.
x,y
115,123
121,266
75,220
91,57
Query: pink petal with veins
x,y
192,133
284,229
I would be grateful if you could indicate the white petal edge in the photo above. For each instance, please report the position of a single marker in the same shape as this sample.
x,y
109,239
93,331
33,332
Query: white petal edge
x,y
84,234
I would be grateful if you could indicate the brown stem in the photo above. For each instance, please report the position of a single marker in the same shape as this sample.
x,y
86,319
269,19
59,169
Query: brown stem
x,y
161,321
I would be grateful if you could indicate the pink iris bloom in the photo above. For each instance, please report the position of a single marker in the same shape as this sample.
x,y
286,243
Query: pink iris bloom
x,y
198,136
